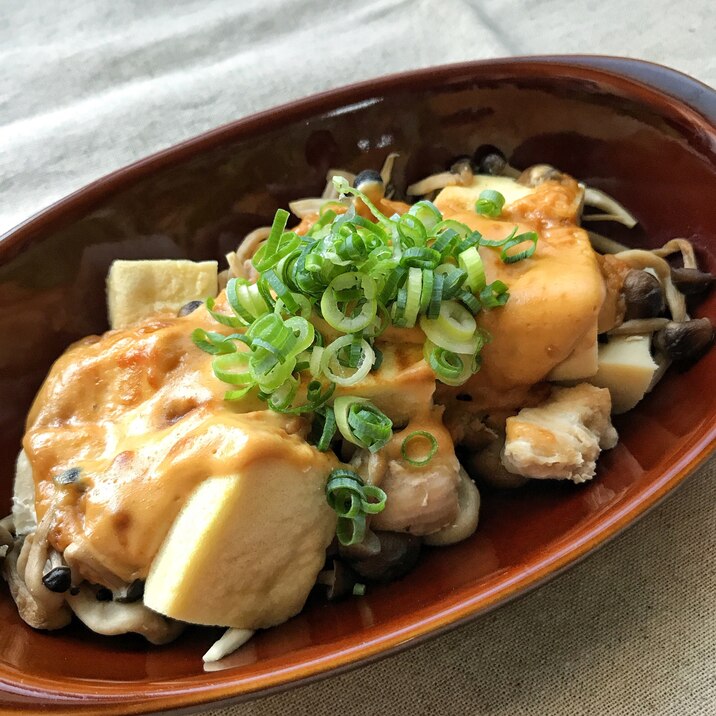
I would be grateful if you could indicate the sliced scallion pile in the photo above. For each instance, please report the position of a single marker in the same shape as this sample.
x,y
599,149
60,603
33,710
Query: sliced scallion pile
x,y
359,276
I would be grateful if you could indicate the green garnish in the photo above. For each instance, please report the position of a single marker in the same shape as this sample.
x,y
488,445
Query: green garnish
x,y
490,203
419,436
362,423
360,277
352,500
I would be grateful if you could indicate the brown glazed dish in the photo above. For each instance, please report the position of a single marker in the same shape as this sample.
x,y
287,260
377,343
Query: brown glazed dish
x,y
643,133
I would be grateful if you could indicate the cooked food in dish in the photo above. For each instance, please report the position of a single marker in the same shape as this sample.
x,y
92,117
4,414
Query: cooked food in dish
x,y
313,415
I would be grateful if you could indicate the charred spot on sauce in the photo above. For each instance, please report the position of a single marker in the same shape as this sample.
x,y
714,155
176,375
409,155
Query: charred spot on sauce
x,y
177,409
122,521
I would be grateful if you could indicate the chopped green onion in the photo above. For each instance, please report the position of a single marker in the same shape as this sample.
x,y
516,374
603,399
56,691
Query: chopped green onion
x,y
353,289
362,423
231,321
359,276
358,590
436,297
449,367
343,187
270,249
350,531
426,290
455,324
445,364
352,500
373,500
494,295
471,262
328,430
469,301
490,203
233,368
454,278
214,343
314,364
333,370
498,243
530,237
427,214
420,257
413,295
412,230
419,435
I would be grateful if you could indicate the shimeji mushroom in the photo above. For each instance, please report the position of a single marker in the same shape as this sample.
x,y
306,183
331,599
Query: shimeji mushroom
x,y
398,554
370,183
467,518
460,173
686,340
643,295
691,281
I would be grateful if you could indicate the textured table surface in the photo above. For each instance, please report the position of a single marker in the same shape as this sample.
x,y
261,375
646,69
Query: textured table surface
x,y
86,87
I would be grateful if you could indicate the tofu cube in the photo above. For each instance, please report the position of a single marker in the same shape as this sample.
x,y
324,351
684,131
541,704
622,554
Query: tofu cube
x,y
626,368
139,289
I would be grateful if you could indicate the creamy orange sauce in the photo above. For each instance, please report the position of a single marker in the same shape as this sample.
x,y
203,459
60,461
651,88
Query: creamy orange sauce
x,y
555,296
141,414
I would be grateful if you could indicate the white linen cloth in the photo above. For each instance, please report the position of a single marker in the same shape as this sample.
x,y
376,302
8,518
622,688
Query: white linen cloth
x,y
87,87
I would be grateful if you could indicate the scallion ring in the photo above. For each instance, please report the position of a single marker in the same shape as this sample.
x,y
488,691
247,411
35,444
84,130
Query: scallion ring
x,y
530,237
419,435
333,370
490,203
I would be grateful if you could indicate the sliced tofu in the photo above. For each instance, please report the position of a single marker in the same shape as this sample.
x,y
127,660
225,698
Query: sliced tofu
x,y
626,368
465,197
139,289
582,363
403,385
246,548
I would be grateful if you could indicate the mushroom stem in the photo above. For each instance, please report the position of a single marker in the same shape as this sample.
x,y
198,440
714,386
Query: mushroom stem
x,y
605,245
639,326
305,207
386,173
240,260
614,211
682,245
433,183
231,640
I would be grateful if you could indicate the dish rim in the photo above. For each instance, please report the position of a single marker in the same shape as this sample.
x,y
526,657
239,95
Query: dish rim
x,y
693,100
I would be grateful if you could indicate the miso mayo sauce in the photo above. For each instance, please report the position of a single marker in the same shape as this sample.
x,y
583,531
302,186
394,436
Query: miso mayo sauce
x,y
140,412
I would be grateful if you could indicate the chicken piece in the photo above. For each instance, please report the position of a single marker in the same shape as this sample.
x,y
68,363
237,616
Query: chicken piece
x,y
421,499
561,439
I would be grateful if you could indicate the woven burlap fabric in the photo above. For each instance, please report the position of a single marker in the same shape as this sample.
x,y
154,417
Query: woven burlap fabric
x,y
86,87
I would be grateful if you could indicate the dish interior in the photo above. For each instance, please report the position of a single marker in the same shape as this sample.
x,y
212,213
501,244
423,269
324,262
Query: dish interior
x,y
200,204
